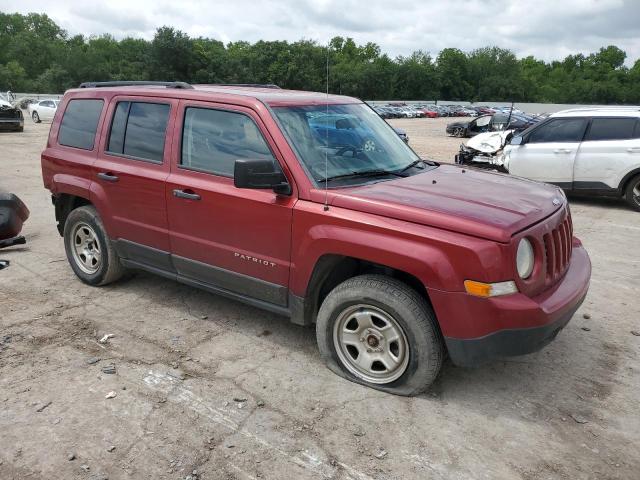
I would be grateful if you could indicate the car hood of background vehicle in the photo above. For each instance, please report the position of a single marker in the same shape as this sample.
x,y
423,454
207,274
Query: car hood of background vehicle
x,y
483,204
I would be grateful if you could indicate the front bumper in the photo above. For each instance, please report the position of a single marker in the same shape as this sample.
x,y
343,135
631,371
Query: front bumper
x,y
11,123
477,330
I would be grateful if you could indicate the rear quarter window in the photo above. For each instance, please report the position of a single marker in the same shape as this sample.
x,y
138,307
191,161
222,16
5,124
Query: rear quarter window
x,y
611,129
80,123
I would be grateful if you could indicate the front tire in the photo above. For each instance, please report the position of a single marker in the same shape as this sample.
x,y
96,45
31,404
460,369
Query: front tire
x,y
89,250
35,117
377,331
632,193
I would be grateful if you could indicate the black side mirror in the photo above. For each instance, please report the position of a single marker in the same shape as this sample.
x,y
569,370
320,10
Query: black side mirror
x,y
260,174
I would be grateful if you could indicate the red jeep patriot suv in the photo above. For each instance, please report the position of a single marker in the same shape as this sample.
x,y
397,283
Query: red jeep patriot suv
x,y
310,206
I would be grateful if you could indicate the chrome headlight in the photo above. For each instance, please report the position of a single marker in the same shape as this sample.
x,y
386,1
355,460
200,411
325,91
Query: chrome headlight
x,y
524,258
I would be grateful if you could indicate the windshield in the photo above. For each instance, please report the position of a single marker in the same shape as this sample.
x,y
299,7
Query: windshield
x,y
352,138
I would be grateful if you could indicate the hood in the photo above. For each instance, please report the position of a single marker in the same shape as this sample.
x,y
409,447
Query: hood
x,y
399,131
482,204
489,142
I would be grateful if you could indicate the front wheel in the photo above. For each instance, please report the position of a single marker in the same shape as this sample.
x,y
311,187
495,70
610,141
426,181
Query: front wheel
x,y
35,117
632,193
377,331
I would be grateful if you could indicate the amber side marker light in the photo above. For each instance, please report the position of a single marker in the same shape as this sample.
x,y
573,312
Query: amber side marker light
x,y
481,289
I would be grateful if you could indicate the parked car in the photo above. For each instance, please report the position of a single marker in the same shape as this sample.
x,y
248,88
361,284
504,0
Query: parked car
x,y
396,259
10,117
392,112
383,112
490,123
585,151
445,110
396,111
429,111
483,110
43,110
402,134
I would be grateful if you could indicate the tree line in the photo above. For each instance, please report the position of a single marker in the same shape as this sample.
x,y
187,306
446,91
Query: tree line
x,y
38,56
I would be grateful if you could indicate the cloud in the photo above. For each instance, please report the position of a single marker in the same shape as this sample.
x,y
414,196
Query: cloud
x,y
547,29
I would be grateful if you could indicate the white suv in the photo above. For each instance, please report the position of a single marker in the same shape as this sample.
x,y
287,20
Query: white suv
x,y
594,151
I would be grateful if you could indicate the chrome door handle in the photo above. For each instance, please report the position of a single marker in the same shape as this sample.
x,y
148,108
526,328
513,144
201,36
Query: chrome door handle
x,y
108,176
188,194
633,150
562,150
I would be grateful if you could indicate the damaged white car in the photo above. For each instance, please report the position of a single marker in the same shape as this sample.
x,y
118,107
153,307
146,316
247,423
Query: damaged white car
x,y
586,151
485,151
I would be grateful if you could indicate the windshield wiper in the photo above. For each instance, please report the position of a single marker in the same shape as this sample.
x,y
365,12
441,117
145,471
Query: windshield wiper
x,y
416,162
363,173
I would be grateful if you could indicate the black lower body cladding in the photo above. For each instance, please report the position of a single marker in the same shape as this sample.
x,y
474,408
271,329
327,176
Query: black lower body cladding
x,y
505,343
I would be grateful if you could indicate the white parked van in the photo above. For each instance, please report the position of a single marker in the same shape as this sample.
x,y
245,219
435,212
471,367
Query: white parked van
x,y
594,151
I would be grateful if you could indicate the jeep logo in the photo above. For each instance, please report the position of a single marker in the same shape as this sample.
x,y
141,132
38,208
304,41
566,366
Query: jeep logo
x,y
248,258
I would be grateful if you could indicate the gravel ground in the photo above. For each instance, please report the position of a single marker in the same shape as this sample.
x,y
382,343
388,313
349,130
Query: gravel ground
x,y
206,388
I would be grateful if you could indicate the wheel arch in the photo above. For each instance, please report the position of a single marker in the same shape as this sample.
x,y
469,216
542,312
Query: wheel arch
x,y
64,204
626,179
332,269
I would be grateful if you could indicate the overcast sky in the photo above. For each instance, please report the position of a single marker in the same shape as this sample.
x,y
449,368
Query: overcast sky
x,y
547,29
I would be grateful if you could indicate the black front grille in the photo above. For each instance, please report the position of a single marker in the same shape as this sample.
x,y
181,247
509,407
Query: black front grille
x,y
557,248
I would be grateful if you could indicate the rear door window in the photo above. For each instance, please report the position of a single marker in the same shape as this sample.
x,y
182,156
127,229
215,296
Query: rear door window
x,y
559,130
611,129
138,130
212,140
80,123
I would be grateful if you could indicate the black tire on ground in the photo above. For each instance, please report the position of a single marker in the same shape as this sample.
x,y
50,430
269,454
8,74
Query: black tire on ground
x,y
35,117
109,269
632,193
409,310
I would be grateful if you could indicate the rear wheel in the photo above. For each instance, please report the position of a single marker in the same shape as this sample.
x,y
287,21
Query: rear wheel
x,y
89,250
376,331
35,117
632,193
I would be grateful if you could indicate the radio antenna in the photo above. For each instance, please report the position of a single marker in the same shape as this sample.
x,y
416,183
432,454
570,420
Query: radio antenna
x,y
326,147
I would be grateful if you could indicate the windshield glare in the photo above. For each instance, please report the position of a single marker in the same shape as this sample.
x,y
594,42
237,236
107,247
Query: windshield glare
x,y
352,138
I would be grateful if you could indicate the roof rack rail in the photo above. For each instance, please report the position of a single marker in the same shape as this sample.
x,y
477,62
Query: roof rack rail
x,y
253,85
131,83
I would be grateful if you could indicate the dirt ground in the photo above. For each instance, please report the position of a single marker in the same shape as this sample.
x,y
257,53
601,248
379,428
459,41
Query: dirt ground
x,y
207,388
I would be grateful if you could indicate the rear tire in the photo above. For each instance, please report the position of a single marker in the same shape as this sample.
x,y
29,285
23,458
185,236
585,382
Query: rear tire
x,y
35,117
632,193
89,250
458,132
377,331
